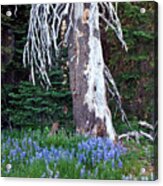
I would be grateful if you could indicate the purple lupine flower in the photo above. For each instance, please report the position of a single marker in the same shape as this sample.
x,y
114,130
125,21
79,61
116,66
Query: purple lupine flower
x,y
80,158
29,141
8,141
86,146
71,156
120,165
13,140
16,143
113,164
13,152
124,150
45,152
105,156
117,155
24,142
52,149
99,156
56,152
23,154
35,145
93,150
108,142
18,149
80,147
3,160
82,172
89,173
27,162
112,153
31,159
39,155
93,161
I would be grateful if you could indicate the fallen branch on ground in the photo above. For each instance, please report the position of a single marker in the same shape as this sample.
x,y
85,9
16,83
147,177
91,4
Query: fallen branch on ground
x,y
138,134
145,124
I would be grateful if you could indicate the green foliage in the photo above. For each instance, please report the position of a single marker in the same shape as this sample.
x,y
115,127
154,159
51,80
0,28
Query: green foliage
x,y
6,89
63,139
14,31
29,105
131,170
32,106
22,103
134,71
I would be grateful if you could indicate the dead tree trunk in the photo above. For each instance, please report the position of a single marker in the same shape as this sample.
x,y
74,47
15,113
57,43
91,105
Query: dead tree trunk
x,y
86,64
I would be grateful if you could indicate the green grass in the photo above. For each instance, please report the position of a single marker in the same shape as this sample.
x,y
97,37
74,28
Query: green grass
x,y
139,157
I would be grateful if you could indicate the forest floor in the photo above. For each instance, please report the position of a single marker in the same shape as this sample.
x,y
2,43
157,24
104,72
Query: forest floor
x,y
35,154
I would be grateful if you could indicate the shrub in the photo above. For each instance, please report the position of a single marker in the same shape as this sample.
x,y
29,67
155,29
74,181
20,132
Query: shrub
x,y
33,106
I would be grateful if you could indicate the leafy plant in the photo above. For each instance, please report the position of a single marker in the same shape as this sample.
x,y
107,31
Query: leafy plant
x,y
34,154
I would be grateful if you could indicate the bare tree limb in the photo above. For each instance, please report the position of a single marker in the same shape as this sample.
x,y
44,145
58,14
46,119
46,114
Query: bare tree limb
x,y
145,124
113,21
147,135
138,134
42,45
42,41
132,134
112,89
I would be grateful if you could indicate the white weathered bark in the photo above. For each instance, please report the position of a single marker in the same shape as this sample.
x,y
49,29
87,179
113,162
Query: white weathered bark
x,y
44,30
42,46
96,100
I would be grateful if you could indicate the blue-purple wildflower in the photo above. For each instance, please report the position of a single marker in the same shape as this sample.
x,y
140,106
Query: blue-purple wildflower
x,y
88,152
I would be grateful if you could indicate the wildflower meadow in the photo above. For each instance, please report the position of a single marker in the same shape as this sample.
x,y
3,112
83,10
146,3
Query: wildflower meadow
x,y
35,154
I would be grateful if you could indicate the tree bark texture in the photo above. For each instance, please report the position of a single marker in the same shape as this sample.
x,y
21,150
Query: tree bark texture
x,y
91,113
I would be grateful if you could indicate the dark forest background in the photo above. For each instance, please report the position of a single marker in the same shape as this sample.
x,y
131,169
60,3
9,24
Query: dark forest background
x,y
25,105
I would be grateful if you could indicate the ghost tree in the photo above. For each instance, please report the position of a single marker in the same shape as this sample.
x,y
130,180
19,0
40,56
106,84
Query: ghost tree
x,y
90,79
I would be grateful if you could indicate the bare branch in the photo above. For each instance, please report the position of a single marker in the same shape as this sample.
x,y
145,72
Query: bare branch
x,y
113,21
115,93
147,135
41,47
145,124
132,134
15,10
70,25
136,135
